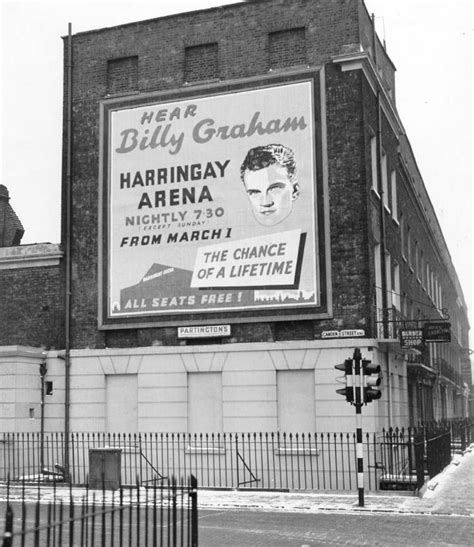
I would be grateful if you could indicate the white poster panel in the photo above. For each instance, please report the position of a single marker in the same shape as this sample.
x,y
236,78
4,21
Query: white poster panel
x,y
212,204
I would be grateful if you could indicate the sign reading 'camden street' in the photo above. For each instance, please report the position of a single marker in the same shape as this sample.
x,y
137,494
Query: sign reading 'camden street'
x,y
211,203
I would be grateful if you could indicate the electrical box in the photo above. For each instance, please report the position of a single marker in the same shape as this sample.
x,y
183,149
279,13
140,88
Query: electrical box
x,y
105,468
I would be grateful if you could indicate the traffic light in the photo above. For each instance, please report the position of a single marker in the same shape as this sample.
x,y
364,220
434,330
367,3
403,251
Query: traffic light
x,y
348,391
372,378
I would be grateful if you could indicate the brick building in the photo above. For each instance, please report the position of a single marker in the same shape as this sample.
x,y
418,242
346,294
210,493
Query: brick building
x,y
31,318
188,308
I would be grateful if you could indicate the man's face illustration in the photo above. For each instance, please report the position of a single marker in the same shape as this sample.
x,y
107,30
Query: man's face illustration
x,y
271,194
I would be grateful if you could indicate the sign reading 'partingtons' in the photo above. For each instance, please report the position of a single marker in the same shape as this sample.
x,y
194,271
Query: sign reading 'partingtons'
x,y
211,203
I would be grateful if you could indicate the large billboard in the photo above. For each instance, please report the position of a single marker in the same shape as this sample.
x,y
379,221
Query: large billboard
x,y
210,204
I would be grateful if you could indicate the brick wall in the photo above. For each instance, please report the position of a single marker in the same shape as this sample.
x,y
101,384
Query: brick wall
x,y
201,62
287,48
348,212
31,311
122,75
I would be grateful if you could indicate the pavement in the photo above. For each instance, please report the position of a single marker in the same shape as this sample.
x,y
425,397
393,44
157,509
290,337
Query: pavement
x,y
449,493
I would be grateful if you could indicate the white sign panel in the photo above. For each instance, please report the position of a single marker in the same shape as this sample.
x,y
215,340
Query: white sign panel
x,y
211,204
205,331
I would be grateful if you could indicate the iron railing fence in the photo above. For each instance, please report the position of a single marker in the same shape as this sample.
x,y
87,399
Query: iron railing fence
x,y
394,458
397,459
438,449
162,515
278,461
409,456
461,430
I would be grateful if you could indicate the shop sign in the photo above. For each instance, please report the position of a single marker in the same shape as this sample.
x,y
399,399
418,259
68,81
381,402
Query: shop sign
x,y
205,331
437,332
411,338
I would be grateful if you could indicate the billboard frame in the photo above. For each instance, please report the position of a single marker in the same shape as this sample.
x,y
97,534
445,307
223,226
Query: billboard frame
x,y
324,309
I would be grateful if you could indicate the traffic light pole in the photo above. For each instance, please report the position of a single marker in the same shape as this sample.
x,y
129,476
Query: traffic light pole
x,y
362,387
358,374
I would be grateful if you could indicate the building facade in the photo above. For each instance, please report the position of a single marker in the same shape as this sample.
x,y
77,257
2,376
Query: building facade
x,y
241,211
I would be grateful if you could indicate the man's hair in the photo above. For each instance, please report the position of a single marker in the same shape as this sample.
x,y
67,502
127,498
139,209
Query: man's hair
x,y
261,157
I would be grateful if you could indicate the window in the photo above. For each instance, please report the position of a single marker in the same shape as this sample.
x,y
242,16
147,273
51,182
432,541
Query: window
x,y
385,182
410,310
409,256
205,402
436,292
122,75
378,277
373,161
296,407
388,277
422,268
393,186
287,48
201,63
394,395
396,285
402,236
417,260
404,304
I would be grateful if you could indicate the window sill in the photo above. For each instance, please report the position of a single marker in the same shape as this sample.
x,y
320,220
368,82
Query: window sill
x,y
288,68
202,82
122,94
374,191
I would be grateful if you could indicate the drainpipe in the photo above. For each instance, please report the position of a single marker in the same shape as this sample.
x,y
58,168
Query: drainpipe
x,y
374,40
67,329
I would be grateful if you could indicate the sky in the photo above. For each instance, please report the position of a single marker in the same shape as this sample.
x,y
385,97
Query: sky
x,y
429,41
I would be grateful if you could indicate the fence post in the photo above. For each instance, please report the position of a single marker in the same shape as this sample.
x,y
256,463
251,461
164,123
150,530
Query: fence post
x,y
194,511
237,458
463,437
7,537
419,445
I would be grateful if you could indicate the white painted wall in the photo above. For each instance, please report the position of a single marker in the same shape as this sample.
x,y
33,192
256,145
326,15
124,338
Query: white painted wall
x,y
248,378
20,388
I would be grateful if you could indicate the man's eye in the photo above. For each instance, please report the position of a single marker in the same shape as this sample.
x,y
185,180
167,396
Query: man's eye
x,y
276,186
253,192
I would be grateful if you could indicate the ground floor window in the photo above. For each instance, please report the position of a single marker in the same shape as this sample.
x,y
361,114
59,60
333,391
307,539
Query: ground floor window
x,y
296,405
205,402
121,403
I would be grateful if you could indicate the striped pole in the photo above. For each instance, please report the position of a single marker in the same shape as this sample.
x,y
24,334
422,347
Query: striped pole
x,y
358,404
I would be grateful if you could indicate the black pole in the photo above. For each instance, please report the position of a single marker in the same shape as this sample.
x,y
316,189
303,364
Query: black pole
x,y
194,511
43,370
68,265
358,405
